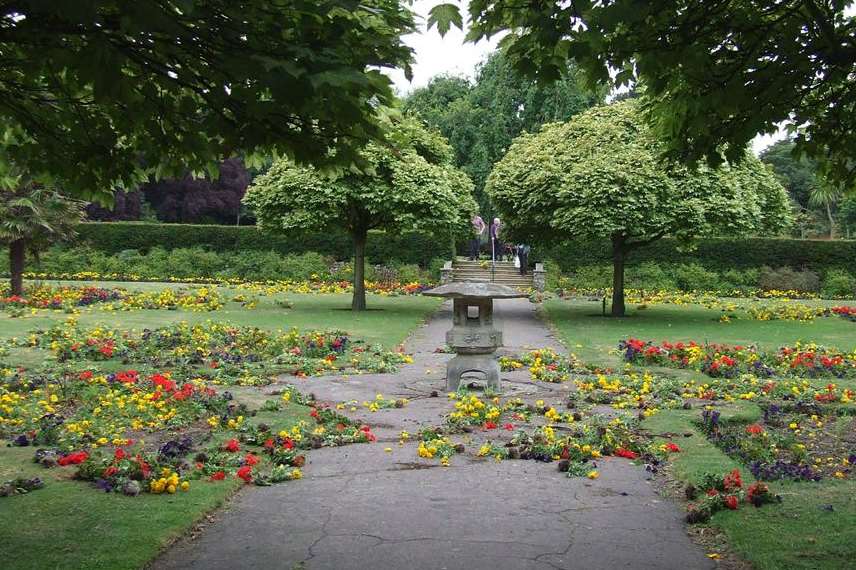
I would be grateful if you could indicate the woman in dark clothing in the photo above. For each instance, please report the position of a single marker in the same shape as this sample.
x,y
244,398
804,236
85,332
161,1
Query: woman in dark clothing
x,y
523,255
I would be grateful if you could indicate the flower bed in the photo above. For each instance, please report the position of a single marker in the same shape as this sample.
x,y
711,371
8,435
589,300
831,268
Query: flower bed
x,y
801,442
70,299
726,361
314,286
220,352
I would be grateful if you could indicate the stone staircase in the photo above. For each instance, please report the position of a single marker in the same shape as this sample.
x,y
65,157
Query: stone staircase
x,y
504,273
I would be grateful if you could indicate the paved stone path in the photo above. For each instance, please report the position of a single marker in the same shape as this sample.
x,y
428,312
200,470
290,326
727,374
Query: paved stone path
x,y
361,507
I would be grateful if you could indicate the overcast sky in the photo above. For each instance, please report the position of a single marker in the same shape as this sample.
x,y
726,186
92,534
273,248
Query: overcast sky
x,y
451,55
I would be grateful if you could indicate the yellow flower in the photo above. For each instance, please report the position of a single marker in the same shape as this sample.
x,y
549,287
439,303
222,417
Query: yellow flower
x,y
592,474
185,486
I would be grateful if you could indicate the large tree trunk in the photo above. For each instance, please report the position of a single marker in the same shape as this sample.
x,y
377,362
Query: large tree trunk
x,y
16,266
359,301
618,254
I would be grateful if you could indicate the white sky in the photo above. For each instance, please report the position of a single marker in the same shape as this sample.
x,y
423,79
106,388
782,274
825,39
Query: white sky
x,y
451,55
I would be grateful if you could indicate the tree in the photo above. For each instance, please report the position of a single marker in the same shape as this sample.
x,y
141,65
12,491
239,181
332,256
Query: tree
x,y
102,93
200,200
847,215
825,195
717,72
413,185
127,207
798,174
33,217
481,119
599,175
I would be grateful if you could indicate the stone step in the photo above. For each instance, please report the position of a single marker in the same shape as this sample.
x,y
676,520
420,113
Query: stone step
x,y
509,282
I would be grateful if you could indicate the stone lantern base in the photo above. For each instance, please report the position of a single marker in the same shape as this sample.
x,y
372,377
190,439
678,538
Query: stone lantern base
x,y
461,364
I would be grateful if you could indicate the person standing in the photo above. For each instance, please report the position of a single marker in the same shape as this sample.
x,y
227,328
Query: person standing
x,y
496,243
475,243
523,255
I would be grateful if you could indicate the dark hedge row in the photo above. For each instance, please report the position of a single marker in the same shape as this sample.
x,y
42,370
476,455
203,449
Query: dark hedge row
x,y
120,236
718,254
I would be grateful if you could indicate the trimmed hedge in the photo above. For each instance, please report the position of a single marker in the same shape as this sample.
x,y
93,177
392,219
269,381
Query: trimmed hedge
x,y
114,237
720,254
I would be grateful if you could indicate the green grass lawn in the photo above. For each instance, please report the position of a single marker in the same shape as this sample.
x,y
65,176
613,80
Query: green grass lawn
x,y
387,321
591,336
68,524
811,529
814,525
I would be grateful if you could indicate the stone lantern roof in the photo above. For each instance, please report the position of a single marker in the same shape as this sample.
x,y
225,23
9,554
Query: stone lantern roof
x,y
474,289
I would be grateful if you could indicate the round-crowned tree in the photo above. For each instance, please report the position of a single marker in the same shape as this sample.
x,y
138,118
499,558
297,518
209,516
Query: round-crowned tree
x,y
412,185
600,175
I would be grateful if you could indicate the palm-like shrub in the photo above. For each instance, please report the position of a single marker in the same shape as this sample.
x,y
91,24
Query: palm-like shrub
x,y
33,217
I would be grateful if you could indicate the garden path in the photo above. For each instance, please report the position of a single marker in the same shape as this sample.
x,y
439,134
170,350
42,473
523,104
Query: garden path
x,y
379,506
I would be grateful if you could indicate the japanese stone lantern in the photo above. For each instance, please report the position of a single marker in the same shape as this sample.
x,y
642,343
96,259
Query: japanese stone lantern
x,y
472,336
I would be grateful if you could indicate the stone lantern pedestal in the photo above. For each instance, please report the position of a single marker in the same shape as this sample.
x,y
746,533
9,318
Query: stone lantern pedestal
x,y
473,336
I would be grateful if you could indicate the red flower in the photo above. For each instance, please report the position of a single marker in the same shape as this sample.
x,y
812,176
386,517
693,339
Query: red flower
x,y
672,447
245,473
733,480
490,425
75,458
731,502
367,431
86,375
288,444
754,429
250,459
232,446
508,427
268,443
218,475
110,471
120,454
626,453
298,461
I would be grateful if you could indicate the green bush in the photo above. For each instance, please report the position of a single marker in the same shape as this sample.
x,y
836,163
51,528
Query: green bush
x,y
740,279
649,275
839,283
694,277
787,279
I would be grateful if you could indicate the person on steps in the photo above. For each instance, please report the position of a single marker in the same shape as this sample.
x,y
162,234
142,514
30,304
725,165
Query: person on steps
x,y
523,255
496,243
475,243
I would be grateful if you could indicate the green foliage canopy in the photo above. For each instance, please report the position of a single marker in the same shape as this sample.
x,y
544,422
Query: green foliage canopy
x,y
412,186
600,175
718,72
798,174
481,119
98,93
